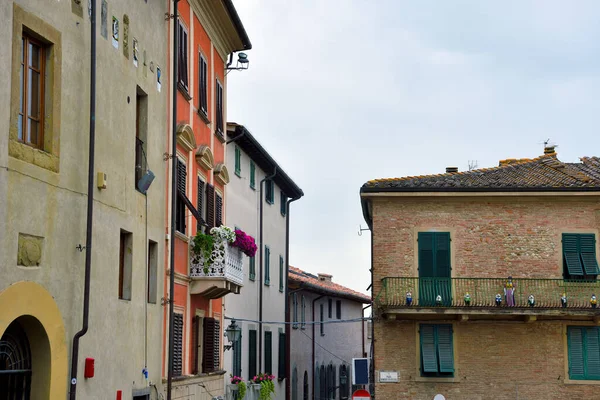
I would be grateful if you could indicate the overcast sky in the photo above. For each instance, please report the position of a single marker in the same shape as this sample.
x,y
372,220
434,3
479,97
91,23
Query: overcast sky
x,y
344,91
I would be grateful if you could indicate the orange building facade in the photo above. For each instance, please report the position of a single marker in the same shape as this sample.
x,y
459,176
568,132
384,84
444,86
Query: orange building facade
x,y
208,35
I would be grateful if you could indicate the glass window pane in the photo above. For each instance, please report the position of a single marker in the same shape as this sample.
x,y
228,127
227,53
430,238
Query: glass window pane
x,y
21,88
32,132
33,99
34,56
20,126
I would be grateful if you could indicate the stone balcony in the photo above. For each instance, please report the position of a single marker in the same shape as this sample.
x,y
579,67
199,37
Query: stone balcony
x,y
224,273
487,298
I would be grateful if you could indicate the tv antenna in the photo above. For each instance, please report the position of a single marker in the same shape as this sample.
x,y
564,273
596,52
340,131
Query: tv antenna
x,y
361,230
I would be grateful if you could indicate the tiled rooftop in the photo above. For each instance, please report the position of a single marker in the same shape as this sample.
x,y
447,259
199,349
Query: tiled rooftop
x,y
309,280
542,173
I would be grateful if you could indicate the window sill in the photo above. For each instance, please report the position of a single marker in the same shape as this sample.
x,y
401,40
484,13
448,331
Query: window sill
x,y
200,375
253,187
203,116
220,136
267,284
183,90
280,290
303,328
294,326
269,202
435,379
238,174
252,278
32,155
568,381
182,236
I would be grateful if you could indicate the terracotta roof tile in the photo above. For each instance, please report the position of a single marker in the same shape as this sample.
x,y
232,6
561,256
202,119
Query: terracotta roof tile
x,y
304,278
544,172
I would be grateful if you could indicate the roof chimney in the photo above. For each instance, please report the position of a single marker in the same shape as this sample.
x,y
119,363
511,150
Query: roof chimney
x,y
324,277
451,169
550,149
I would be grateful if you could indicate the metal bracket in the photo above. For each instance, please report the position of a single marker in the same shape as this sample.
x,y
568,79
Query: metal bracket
x,y
80,247
164,301
167,156
169,16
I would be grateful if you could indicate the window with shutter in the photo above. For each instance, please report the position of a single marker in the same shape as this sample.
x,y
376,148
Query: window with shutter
x,y
210,206
268,353
238,161
200,202
210,356
179,202
281,273
295,310
322,318
437,352
283,205
303,316
269,192
218,210
281,357
203,85
237,357
267,266
252,273
579,256
252,175
177,344
434,268
338,309
330,308
584,352
195,343
251,353
219,108
182,61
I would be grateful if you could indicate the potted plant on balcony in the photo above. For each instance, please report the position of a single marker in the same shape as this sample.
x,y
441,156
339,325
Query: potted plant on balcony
x,y
238,384
245,243
266,385
203,246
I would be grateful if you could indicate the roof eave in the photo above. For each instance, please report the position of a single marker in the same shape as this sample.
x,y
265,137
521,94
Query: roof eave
x,y
321,290
368,189
239,27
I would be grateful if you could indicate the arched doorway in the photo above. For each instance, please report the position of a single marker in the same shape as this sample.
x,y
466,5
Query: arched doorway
x,y
15,363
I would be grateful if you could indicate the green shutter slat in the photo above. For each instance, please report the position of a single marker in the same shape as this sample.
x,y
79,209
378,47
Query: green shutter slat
x,y
281,369
570,244
592,352
575,344
251,353
425,254
445,348
237,357
281,273
442,254
429,359
268,353
252,175
267,266
588,254
252,274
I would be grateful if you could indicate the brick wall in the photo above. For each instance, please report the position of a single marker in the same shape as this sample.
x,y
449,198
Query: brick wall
x,y
491,237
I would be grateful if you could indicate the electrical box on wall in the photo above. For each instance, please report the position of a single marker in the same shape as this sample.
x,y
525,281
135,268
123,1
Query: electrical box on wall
x,y
89,368
101,178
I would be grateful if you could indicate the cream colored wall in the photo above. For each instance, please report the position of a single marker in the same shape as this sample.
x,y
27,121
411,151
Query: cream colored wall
x,y
38,202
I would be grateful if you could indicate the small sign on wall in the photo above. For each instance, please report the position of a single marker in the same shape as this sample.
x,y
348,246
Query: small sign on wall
x,y
388,376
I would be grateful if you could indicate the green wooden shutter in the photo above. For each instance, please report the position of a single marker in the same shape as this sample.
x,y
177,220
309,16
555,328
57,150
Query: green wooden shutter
x,y
282,206
281,273
445,348
571,254
429,360
592,353
442,254
252,273
251,354
267,266
238,161
281,359
268,352
426,246
588,254
237,357
576,360
252,175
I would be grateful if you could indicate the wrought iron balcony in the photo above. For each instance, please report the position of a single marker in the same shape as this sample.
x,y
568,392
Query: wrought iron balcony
x,y
406,295
222,274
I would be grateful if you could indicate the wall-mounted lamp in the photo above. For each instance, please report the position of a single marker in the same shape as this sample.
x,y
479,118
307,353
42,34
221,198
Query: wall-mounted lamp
x,y
241,64
232,333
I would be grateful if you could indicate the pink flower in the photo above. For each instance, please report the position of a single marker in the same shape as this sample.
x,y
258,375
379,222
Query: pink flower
x,y
245,243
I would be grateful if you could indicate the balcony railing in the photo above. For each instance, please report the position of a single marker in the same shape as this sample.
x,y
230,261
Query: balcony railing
x,y
483,292
252,392
226,263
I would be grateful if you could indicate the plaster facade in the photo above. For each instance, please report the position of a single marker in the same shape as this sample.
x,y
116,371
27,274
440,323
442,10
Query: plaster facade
x,y
43,193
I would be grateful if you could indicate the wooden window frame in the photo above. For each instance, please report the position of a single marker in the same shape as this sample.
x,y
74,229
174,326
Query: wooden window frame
x,y
182,52
585,331
219,105
581,262
203,85
440,373
23,113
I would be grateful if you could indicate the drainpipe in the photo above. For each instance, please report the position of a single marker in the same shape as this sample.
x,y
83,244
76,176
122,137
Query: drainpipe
x,y
171,297
90,207
363,328
260,293
288,331
372,364
313,345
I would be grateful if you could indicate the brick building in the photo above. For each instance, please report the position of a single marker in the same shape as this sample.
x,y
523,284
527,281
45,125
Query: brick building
x,y
449,319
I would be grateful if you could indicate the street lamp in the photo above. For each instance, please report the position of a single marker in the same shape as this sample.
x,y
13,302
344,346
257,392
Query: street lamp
x,y
233,333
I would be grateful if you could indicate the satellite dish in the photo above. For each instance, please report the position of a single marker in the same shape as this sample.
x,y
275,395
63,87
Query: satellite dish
x,y
439,397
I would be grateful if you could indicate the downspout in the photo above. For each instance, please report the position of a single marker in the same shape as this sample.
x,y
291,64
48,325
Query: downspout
x,y
260,293
372,363
90,207
288,331
313,345
363,328
171,297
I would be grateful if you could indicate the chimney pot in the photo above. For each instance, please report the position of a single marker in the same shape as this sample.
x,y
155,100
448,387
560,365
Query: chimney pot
x,y
324,277
451,169
550,149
